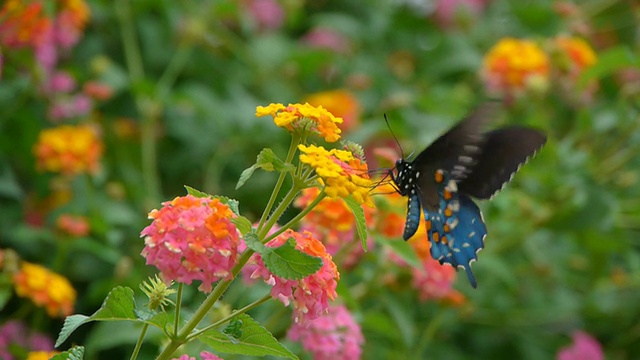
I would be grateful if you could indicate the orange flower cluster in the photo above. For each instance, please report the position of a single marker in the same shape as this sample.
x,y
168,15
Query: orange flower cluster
x,y
41,355
22,24
339,102
515,66
45,288
68,149
26,23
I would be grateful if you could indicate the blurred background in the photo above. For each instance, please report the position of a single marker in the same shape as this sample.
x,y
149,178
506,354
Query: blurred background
x,y
108,108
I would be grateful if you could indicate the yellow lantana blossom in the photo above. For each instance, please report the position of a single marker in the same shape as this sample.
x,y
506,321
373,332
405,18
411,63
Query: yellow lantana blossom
x,y
341,172
577,52
45,288
302,117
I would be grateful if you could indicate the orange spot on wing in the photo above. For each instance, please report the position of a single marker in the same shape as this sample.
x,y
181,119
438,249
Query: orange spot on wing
x,y
439,177
448,212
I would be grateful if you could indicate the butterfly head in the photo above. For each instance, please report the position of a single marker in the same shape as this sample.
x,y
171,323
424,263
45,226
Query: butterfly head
x,y
404,176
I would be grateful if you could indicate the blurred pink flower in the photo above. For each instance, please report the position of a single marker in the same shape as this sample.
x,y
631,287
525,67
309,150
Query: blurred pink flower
x,y
310,296
97,90
433,281
325,38
59,82
192,239
15,335
205,355
333,336
584,347
450,12
69,107
73,225
268,14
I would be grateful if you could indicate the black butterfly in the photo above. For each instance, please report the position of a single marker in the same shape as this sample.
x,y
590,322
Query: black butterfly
x,y
463,163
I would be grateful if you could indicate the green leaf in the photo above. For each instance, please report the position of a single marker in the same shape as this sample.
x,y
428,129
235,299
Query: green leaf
x,y
243,224
250,339
197,193
118,305
253,242
609,62
402,249
75,353
268,161
289,263
361,224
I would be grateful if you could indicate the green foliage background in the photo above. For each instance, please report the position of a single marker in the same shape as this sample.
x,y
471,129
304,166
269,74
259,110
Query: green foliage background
x,y
563,246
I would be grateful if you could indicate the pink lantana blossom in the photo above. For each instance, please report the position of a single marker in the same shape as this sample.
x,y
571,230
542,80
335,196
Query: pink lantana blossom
x,y
192,239
205,355
333,336
584,347
433,281
310,296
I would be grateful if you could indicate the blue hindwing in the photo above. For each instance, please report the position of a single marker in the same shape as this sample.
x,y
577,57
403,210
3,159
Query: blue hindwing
x,y
456,230
413,216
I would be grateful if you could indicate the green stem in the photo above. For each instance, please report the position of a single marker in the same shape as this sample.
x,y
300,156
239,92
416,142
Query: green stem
x,y
148,109
176,321
298,217
201,312
225,319
136,350
177,63
295,140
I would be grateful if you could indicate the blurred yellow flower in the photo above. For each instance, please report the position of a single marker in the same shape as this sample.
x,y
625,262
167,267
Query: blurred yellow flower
x,y
341,172
68,149
302,118
41,355
339,102
513,66
45,288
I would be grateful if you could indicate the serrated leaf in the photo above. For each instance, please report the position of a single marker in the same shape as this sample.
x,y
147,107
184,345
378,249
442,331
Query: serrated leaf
x,y
243,224
253,242
289,263
266,160
195,192
253,340
361,223
118,305
402,249
75,353
233,204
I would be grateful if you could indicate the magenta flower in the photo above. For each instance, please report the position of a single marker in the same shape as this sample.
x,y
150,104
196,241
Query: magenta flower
x,y
205,355
433,281
268,14
333,336
192,239
325,38
310,296
14,335
449,12
584,347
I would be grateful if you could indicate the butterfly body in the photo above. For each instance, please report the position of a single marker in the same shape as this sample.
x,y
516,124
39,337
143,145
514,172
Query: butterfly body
x,y
465,162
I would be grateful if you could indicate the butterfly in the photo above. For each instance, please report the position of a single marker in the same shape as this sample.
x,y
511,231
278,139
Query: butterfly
x,y
463,163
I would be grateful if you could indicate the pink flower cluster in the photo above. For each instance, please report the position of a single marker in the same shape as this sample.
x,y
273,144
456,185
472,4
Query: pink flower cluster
x,y
310,296
333,336
192,239
584,347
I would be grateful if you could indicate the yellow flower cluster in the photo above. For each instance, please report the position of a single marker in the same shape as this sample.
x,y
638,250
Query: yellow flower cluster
x,y
45,288
514,64
68,149
304,117
342,173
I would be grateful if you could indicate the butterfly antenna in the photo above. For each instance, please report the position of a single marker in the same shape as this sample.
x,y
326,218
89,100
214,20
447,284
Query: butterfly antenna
x,y
394,135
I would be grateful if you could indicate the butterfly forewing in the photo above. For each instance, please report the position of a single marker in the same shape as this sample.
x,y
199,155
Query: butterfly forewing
x,y
503,153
